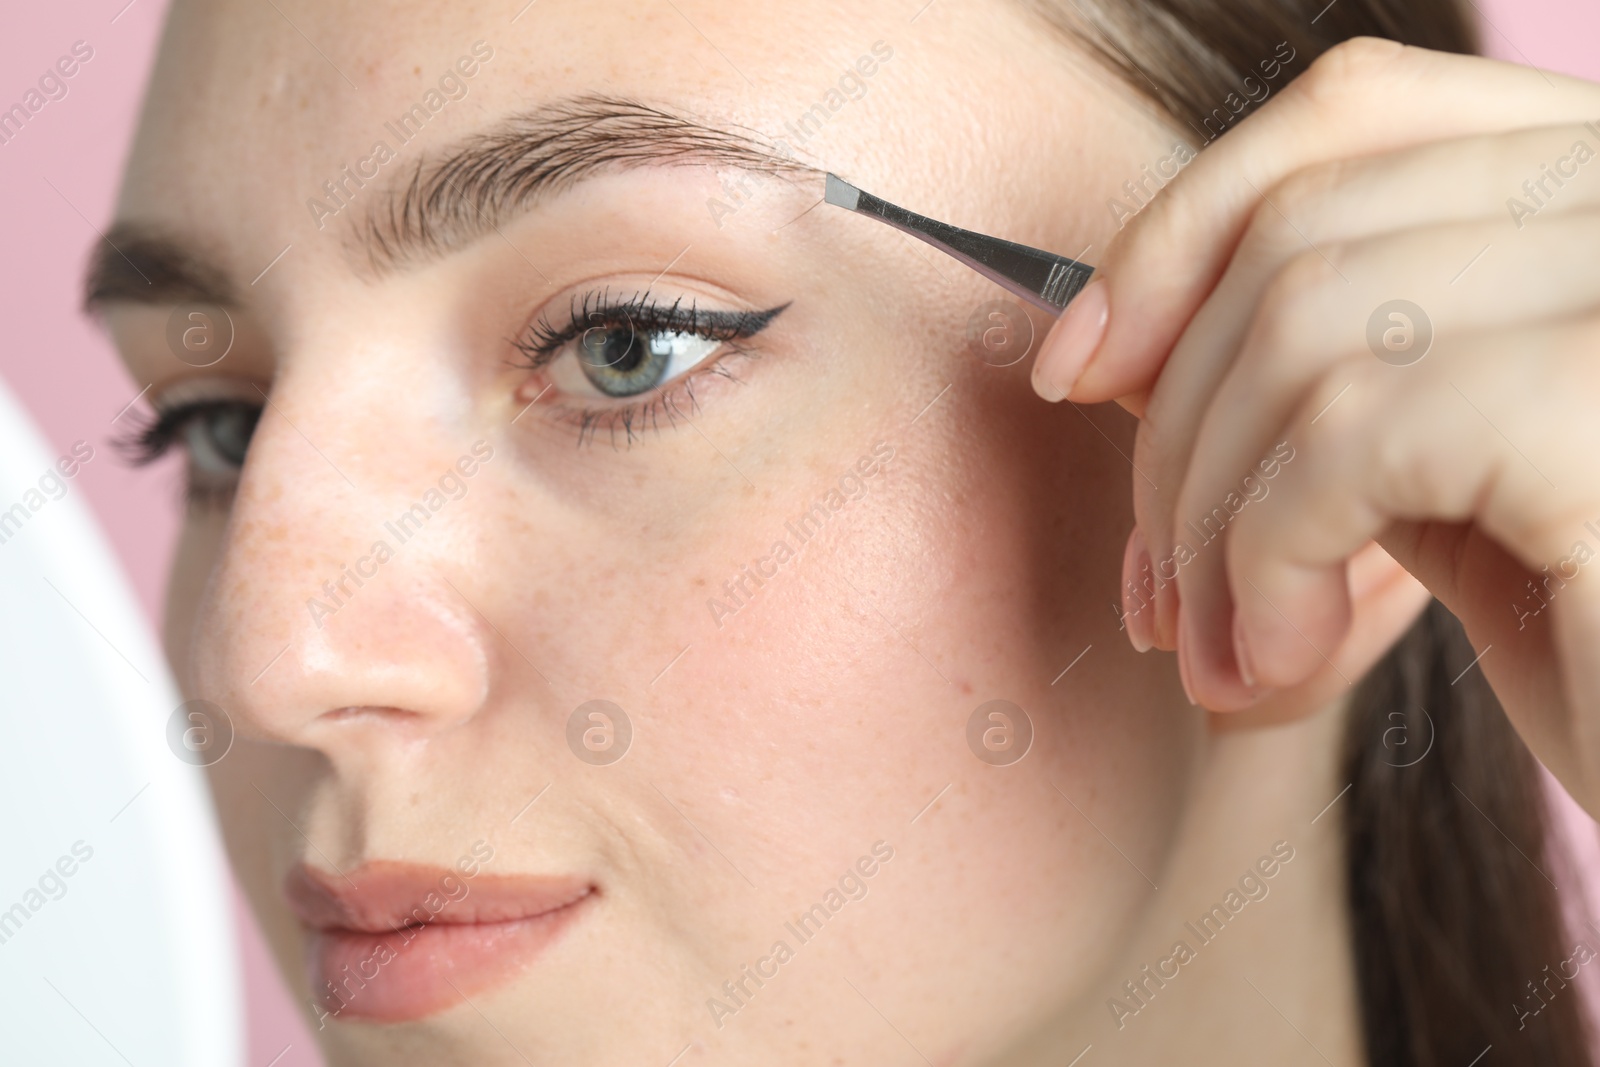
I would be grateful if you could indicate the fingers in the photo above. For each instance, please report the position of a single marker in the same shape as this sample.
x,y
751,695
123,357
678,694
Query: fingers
x,y
1316,314
1390,600
1303,224
1482,435
1167,260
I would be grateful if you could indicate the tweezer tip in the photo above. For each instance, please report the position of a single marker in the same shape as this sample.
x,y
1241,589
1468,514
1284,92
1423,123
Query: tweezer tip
x,y
842,194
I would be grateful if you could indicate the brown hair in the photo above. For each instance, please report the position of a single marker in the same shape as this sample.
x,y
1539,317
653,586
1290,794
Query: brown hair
x,y
1453,922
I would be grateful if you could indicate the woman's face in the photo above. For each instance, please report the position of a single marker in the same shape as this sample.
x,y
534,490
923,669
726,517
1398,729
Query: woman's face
x,y
609,409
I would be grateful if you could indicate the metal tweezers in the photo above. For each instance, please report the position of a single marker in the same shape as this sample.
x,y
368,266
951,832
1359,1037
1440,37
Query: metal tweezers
x,y
1044,279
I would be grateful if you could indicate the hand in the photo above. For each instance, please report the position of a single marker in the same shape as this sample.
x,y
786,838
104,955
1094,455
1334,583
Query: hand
x,y
1278,448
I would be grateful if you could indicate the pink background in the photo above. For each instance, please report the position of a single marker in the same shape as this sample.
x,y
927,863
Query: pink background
x,y
67,376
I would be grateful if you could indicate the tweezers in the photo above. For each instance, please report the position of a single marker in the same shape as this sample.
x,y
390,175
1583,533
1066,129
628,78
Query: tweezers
x,y
1044,279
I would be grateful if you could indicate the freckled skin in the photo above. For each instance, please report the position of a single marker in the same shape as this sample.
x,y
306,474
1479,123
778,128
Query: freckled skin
x,y
827,715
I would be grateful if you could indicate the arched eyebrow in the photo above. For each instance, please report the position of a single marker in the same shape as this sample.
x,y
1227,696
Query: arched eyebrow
x,y
443,202
492,176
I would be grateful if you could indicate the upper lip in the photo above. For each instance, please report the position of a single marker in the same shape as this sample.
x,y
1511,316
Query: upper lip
x,y
384,895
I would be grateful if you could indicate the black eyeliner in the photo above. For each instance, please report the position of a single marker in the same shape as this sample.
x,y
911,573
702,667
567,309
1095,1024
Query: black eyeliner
x,y
541,341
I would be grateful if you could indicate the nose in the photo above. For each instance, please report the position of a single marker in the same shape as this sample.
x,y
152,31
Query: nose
x,y
337,591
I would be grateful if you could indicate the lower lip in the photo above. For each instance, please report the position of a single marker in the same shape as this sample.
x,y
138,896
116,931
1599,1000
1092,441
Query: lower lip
x,y
408,974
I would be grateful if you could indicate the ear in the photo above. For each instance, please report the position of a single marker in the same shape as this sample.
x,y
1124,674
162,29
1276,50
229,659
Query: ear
x,y
1384,601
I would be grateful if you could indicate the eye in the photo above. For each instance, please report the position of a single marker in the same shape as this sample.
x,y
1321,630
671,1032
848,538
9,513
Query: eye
x,y
622,349
214,433
624,361
217,436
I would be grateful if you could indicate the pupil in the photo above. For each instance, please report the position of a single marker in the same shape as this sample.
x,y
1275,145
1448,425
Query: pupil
x,y
234,430
614,350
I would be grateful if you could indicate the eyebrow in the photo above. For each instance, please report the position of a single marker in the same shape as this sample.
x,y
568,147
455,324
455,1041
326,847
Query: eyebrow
x,y
443,203
140,264
497,174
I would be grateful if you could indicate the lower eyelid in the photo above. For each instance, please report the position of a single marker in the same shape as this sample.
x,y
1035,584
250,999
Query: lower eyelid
x,y
577,381
629,419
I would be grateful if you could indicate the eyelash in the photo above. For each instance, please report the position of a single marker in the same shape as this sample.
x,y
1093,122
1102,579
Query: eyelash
x,y
154,436
542,343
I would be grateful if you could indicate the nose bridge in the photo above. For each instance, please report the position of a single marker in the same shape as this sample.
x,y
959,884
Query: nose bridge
x,y
333,590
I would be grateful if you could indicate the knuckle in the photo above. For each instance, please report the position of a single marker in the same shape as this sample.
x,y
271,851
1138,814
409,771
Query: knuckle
x,y
1398,472
1333,400
1302,195
1291,301
1306,273
1327,82
1405,468
1294,211
1343,423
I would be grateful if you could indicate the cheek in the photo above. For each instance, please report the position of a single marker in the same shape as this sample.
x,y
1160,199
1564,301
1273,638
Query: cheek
x,y
199,545
833,703
259,844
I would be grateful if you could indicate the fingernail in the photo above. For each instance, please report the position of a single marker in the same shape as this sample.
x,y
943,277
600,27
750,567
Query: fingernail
x,y
1241,652
1138,593
1185,648
1070,343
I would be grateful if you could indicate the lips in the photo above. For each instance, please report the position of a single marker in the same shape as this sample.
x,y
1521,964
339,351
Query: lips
x,y
391,941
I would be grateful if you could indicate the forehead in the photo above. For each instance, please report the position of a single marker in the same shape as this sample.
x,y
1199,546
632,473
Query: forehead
x,y
255,107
